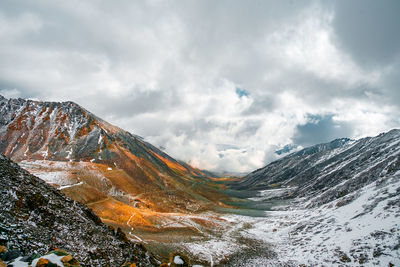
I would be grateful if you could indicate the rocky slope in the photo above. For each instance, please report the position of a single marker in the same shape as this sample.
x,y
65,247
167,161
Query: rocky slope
x,y
35,217
326,172
334,204
124,179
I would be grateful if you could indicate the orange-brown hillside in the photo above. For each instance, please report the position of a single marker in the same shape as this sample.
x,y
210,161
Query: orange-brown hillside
x,y
124,179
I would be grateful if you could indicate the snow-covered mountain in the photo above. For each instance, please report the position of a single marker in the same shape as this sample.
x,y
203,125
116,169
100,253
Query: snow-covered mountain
x,y
328,171
333,204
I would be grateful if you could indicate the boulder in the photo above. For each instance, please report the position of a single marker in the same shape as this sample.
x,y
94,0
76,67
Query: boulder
x,y
66,258
10,255
42,262
59,252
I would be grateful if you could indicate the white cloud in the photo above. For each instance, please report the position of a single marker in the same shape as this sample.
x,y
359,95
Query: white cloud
x,y
10,93
11,28
169,71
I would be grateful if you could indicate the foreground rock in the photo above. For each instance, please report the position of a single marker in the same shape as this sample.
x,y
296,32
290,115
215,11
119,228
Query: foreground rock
x,y
35,217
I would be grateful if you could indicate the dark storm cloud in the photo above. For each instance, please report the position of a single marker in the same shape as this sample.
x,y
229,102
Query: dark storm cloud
x,y
261,105
6,85
320,129
390,88
138,102
248,128
195,127
369,30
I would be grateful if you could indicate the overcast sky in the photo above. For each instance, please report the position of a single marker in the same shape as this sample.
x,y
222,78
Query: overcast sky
x,y
219,84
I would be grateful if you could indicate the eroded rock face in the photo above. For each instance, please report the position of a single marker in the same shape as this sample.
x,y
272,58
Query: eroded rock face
x,y
34,217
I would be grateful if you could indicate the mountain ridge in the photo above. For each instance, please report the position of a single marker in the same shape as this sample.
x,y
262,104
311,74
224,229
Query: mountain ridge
x,y
326,168
334,204
313,206
100,164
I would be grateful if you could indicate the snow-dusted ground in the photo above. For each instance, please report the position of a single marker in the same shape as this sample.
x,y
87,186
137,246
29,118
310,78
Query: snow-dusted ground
x,y
360,229
364,231
50,171
265,195
61,173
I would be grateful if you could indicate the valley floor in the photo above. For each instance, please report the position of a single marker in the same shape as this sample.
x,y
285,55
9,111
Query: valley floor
x,y
361,229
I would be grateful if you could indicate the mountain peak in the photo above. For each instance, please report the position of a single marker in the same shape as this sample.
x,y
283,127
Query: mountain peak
x,y
43,129
38,132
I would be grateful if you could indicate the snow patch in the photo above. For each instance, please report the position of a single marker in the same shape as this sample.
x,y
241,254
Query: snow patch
x,y
18,263
100,139
52,258
178,260
70,185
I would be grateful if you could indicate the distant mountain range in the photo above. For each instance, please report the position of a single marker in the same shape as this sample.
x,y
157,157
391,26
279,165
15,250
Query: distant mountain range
x,y
325,172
